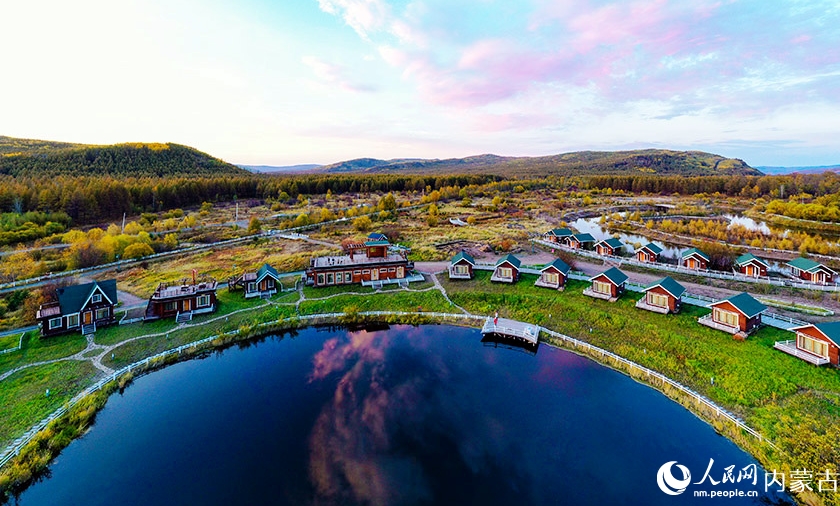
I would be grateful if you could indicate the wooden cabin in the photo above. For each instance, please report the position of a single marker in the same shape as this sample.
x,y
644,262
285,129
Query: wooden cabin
x,y
461,266
609,285
738,315
648,253
366,263
265,282
554,275
557,235
750,265
694,259
663,296
182,300
507,270
809,270
609,247
817,343
79,308
580,241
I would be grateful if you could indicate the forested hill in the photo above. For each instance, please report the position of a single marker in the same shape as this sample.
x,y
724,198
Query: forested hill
x,y
640,162
32,158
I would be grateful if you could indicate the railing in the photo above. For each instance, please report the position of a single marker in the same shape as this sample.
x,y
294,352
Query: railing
x,y
16,348
790,348
709,322
14,448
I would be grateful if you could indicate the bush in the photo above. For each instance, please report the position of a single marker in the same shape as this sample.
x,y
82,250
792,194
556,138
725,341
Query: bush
x,y
138,250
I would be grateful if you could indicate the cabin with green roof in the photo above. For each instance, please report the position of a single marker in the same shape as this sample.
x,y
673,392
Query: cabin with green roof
x,y
609,247
580,241
811,271
648,253
265,282
738,315
750,265
461,266
663,296
694,259
815,343
507,270
557,234
79,308
609,285
554,275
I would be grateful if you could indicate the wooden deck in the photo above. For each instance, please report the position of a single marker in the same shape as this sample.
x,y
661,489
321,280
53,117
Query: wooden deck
x,y
512,328
642,304
790,348
589,292
458,275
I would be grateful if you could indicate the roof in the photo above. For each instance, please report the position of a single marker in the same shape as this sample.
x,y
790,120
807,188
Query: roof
x,y
462,255
745,303
584,237
560,232
509,258
72,298
377,236
612,242
807,265
749,257
267,270
615,276
831,330
377,243
559,265
669,285
652,247
694,251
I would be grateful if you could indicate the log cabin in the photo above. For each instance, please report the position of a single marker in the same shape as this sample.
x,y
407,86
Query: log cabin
x,y
648,253
815,343
694,259
609,247
182,300
461,266
809,270
609,285
750,265
370,262
738,315
507,270
557,235
580,241
265,282
554,275
79,308
663,296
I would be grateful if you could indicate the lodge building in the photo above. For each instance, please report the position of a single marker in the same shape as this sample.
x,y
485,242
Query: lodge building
x,y
79,308
365,263
182,300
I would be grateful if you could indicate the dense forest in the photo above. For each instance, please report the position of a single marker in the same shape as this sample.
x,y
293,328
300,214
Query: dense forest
x,y
812,185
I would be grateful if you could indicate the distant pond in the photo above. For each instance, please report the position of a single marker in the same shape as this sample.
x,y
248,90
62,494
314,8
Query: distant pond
x,y
403,416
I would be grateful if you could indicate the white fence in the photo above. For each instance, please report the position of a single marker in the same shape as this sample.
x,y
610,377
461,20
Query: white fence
x,y
16,348
13,449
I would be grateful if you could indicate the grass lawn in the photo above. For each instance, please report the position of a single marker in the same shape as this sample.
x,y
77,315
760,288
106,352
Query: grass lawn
x,y
387,301
9,342
37,349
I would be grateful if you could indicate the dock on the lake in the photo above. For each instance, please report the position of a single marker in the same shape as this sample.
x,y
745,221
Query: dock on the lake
x,y
512,328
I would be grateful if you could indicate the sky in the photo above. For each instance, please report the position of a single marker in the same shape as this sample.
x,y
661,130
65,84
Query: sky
x,y
283,82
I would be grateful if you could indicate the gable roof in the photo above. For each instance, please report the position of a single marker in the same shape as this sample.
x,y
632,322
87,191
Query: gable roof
x,y
560,232
615,276
377,243
748,258
462,255
807,265
669,285
559,265
267,270
612,242
509,258
831,330
377,236
694,251
583,237
72,298
745,303
653,248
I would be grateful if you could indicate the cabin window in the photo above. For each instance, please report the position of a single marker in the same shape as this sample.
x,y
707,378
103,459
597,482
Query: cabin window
x,y
330,278
657,299
725,317
320,279
170,306
72,320
461,269
366,271
202,301
269,283
357,272
252,287
54,323
96,298
551,278
383,270
812,345
392,269
102,313
348,277
601,287
505,272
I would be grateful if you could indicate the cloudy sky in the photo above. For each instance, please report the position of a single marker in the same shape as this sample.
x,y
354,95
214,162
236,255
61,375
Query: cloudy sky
x,y
317,81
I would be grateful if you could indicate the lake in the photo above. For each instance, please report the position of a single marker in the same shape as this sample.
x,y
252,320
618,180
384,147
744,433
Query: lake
x,y
404,416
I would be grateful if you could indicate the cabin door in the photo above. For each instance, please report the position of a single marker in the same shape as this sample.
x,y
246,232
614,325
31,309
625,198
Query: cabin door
x,y
374,274
400,272
187,305
87,317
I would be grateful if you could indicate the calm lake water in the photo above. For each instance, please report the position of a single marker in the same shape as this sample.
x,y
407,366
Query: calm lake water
x,y
408,415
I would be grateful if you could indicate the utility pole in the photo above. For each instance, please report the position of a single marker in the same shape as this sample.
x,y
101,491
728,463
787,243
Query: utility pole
x,y
122,230
237,212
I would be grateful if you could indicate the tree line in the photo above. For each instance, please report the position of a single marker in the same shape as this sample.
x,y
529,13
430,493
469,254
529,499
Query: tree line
x,y
826,183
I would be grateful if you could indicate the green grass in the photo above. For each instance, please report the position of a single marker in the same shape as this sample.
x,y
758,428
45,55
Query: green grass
x,y
38,349
9,342
23,399
393,301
